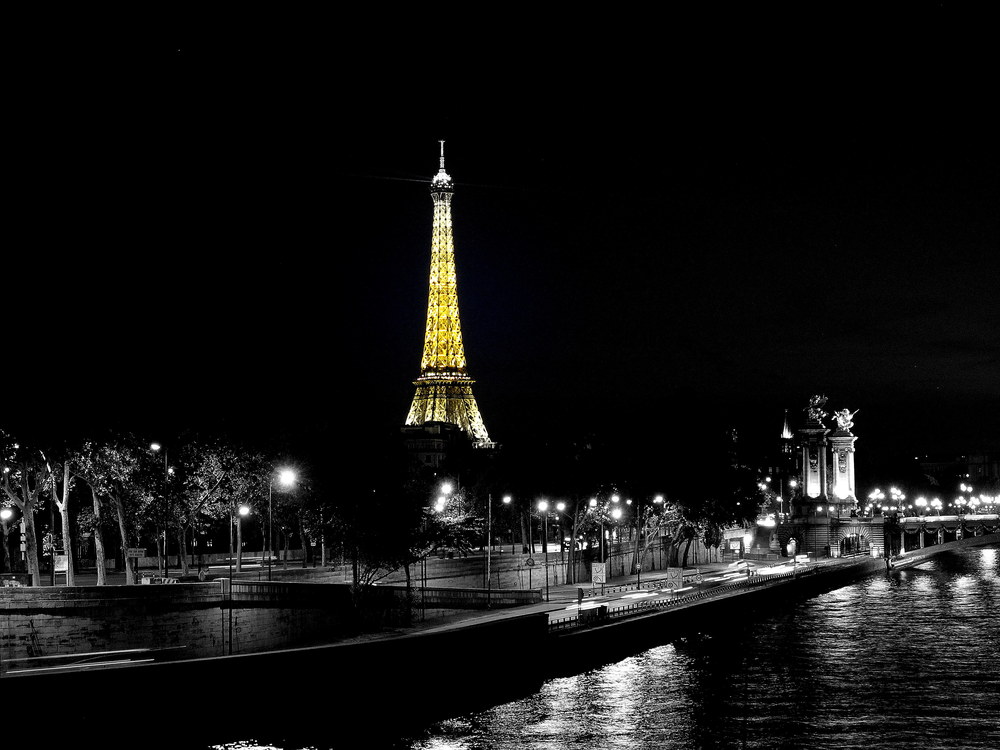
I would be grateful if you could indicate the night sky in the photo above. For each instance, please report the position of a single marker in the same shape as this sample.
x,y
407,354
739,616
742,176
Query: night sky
x,y
656,224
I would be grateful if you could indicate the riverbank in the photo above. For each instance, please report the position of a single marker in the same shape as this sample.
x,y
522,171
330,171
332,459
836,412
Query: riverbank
x,y
402,678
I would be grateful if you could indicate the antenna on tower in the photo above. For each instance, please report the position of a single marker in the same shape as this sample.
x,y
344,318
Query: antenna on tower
x,y
442,155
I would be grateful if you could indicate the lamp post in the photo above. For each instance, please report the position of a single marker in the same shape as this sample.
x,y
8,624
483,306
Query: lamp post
x,y
507,499
658,500
489,543
243,511
287,479
543,508
561,510
155,447
637,559
593,506
616,514
897,497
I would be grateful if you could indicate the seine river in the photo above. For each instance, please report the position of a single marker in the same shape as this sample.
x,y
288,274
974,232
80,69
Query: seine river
x,y
909,659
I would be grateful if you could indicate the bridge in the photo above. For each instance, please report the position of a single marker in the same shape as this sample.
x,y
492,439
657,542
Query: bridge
x,y
922,537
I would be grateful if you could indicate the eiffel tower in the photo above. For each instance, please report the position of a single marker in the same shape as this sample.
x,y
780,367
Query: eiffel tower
x,y
444,388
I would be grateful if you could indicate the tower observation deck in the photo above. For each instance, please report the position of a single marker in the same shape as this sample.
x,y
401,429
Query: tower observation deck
x,y
444,388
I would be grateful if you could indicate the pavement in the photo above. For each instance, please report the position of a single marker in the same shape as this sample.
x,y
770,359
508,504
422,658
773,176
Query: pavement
x,y
558,600
564,600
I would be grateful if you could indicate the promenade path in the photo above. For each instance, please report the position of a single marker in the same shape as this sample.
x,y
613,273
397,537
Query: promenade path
x,y
619,591
558,601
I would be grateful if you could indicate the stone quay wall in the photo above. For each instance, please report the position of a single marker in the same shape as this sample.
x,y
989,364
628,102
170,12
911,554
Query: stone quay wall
x,y
192,620
46,625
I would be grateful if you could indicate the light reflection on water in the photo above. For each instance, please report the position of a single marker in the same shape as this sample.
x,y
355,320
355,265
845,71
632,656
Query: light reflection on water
x,y
911,658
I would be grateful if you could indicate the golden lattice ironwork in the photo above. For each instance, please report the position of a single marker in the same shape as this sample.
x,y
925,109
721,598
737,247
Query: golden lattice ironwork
x,y
444,388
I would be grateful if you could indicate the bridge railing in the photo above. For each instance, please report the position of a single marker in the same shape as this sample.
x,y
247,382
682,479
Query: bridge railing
x,y
645,607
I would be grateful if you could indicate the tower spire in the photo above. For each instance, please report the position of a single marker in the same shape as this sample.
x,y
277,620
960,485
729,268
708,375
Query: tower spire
x,y
444,388
786,432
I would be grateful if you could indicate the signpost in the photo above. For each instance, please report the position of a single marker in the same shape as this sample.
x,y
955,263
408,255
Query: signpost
x,y
599,574
675,578
134,552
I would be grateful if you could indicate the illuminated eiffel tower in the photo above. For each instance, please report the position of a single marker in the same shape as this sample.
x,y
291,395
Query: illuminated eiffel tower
x,y
444,388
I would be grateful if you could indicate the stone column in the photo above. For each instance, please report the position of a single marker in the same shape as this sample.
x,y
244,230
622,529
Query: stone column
x,y
812,444
843,481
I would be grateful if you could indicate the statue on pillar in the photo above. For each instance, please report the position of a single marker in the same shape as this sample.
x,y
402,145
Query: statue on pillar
x,y
814,412
845,419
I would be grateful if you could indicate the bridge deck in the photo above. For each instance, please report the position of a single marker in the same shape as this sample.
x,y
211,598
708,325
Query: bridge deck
x,y
917,556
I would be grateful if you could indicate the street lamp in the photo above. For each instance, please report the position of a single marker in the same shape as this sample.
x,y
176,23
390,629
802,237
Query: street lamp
x,y
659,500
287,478
897,497
489,544
507,499
543,508
616,514
243,512
444,497
155,447
592,505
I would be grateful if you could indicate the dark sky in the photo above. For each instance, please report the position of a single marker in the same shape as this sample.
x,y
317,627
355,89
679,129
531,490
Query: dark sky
x,y
657,221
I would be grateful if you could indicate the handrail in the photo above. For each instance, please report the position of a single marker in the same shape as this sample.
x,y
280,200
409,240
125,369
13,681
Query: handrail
x,y
640,608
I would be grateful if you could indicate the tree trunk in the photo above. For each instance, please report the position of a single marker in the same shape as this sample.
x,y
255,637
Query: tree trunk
x,y
305,544
120,512
67,531
161,545
686,548
31,544
30,500
408,607
98,540
182,559
527,544
6,547
636,562
26,502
